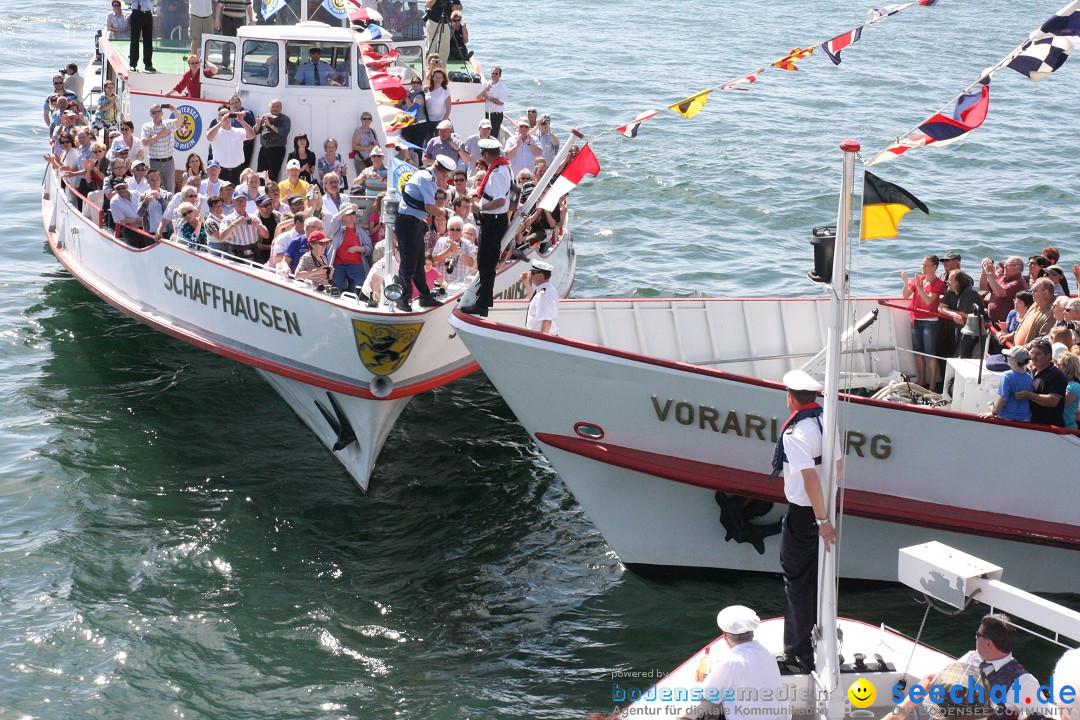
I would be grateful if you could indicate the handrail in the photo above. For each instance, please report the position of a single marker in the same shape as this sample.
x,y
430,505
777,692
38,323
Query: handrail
x,y
989,326
921,312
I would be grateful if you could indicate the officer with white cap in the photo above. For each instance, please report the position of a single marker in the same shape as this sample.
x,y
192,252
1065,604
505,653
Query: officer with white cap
x,y
494,198
743,678
417,203
543,313
798,455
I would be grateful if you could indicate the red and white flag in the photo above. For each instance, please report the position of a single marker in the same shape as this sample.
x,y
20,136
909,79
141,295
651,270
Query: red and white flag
x,y
748,79
585,163
630,129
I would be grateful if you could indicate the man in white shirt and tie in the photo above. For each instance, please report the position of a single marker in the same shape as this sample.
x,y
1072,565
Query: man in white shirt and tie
x,y
141,24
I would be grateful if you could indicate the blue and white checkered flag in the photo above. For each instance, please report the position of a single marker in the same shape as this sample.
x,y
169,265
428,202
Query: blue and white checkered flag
x,y
1041,58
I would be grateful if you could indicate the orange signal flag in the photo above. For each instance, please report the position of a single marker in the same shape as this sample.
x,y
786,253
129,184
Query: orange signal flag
x,y
788,62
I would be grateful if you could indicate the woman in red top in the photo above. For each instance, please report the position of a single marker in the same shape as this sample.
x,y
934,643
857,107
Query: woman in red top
x,y
191,81
350,266
925,292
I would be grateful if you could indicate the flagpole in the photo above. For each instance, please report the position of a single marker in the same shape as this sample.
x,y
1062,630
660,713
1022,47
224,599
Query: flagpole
x,y
828,652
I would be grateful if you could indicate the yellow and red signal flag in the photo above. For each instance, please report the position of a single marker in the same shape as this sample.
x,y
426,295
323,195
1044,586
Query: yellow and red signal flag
x,y
788,62
401,120
692,105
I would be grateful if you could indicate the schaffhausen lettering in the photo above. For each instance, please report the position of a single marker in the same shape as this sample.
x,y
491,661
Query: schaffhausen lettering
x,y
232,303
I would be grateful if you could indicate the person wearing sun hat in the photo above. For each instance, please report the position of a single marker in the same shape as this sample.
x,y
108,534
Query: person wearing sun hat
x,y
738,676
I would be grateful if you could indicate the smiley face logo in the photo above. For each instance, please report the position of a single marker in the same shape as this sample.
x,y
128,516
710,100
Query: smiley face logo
x,y
862,693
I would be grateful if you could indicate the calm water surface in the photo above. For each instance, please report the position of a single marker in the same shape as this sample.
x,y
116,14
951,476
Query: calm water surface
x,y
174,544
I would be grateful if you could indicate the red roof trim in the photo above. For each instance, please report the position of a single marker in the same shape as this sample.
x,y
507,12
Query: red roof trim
x,y
859,503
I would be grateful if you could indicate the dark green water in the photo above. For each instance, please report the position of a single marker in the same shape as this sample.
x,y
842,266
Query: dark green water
x,y
173,543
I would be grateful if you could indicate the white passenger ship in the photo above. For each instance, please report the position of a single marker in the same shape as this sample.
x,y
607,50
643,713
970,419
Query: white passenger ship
x,y
346,369
664,419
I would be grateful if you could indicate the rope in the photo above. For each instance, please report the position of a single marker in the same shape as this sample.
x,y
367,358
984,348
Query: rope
x,y
918,635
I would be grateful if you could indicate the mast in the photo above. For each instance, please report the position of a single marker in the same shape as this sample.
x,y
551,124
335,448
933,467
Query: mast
x,y
827,661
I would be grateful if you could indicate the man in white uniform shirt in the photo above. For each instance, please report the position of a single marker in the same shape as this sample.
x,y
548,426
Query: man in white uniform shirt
x,y
743,678
798,452
494,199
543,313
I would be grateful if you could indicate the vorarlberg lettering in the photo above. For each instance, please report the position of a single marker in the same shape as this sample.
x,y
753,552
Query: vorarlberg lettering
x,y
231,303
748,425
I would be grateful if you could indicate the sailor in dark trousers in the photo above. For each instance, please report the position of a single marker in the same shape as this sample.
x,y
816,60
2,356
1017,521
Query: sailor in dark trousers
x,y
494,198
141,23
417,204
798,453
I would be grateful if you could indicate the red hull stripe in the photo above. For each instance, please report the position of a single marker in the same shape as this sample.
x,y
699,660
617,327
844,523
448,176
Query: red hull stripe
x,y
858,503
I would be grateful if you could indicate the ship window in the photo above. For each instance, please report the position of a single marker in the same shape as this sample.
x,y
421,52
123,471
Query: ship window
x,y
220,54
333,68
260,63
412,57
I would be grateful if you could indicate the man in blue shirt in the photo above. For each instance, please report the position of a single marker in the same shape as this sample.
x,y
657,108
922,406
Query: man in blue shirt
x,y
300,244
1010,405
417,204
315,71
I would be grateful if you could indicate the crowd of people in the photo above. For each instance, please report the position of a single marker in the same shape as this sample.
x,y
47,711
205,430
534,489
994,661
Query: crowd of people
x,y
1025,310
266,207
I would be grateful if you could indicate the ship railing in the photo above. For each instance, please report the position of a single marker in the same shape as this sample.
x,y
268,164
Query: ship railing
x,y
94,212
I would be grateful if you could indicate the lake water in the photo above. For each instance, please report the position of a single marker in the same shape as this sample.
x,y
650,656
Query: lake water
x,y
175,544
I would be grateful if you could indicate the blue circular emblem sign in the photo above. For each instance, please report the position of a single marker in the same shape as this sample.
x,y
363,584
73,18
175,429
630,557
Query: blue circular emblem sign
x,y
190,129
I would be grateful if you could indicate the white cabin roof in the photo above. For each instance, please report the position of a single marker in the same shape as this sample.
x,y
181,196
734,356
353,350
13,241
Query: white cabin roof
x,y
310,31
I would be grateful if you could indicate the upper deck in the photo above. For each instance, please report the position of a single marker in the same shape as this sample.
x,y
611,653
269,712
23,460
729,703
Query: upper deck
x,y
261,64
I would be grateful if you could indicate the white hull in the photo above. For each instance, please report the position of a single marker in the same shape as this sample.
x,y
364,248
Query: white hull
x,y
800,691
644,429
308,344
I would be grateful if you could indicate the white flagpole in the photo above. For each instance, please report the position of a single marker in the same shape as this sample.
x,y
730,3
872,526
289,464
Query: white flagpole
x,y
828,654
